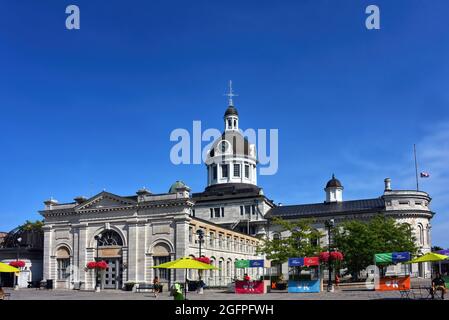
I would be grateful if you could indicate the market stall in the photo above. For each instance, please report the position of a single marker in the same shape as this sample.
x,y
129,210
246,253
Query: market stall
x,y
395,282
247,285
304,274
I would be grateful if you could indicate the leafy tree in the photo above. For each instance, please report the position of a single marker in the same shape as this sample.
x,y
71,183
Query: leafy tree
x,y
360,241
32,226
436,248
300,243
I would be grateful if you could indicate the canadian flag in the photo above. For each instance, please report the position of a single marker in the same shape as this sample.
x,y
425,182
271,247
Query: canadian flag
x,y
425,175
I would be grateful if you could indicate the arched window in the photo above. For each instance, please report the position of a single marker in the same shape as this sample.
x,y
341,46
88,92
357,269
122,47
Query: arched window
x,y
421,234
276,236
63,263
110,238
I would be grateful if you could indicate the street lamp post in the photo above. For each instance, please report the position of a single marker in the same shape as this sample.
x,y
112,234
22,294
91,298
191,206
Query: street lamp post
x,y
97,239
329,224
200,234
18,240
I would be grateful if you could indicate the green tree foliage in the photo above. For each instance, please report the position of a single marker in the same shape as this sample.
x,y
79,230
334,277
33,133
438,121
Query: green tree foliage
x,y
31,226
360,241
300,243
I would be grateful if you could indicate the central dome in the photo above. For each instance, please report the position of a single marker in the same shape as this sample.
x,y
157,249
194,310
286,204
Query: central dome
x,y
231,111
231,143
334,183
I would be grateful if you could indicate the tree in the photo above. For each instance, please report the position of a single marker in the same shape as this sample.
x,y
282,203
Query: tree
x,y
32,226
300,243
436,248
360,241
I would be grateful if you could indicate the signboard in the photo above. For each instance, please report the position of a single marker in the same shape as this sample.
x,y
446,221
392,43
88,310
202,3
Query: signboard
x,y
393,284
249,287
295,262
242,264
304,286
383,258
400,257
256,263
311,261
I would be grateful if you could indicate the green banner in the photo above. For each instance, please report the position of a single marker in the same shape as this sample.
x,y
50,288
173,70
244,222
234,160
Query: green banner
x,y
383,258
242,264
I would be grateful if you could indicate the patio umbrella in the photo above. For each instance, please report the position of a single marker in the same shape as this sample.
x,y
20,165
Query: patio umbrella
x,y
7,268
429,257
185,263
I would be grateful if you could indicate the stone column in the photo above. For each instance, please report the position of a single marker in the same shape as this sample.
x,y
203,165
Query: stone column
x,y
48,251
181,241
132,250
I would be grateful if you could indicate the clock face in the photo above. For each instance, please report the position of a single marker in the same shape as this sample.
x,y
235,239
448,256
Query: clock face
x,y
224,146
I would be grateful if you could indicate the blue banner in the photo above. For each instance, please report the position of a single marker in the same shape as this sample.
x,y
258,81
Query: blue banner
x,y
304,286
400,257
295,262
256,263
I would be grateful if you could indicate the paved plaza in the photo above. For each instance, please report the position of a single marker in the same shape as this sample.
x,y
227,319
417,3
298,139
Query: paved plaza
x,y
344,294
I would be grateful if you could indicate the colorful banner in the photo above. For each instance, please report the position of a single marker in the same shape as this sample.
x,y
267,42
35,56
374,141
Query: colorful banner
x,y
381,258
311,261
393,284
242,264
304,286
392,257
256,263
249,287
400,257
295,262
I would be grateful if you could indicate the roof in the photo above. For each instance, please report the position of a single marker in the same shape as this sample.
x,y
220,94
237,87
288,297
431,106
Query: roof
x,y
230,111
239,144
227,191
327,208
334,183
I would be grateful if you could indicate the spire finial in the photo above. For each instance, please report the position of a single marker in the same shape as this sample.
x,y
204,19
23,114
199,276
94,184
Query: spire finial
x,y
333,176
231,94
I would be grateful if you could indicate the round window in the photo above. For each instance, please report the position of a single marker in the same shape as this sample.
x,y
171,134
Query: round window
x,y
224,146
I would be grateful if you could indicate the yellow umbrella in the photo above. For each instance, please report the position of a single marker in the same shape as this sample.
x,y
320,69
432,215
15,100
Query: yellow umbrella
x,y
7,268
185,263
429,257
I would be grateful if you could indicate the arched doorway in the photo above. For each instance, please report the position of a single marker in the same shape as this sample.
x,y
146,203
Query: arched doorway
x,y
161,254
110,245
63,267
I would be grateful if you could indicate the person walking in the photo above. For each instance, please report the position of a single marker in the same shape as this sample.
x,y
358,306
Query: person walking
x,y
156,286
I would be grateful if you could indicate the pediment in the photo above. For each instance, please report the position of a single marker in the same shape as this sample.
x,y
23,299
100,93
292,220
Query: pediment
x,y
105,200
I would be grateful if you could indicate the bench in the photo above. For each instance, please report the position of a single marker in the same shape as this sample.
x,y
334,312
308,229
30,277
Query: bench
x,y
144,286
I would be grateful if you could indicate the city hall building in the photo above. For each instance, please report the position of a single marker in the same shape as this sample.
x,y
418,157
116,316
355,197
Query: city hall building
x,y
134,233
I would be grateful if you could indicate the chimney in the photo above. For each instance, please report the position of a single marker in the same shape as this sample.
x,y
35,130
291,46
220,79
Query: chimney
x,y
387,184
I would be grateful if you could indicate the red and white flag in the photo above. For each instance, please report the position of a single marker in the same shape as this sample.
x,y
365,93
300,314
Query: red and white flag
x,y
425,175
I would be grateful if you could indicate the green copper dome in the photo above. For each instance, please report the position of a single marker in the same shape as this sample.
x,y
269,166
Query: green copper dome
x,y
176,185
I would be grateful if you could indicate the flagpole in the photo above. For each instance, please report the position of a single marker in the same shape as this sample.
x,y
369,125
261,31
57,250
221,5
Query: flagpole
x,y
416,167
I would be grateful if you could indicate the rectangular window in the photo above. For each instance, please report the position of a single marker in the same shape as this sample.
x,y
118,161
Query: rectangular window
x,y
211,212
217,212
248,210
214,172
403,202
222,212
224,171
246,171
211,239
63,264
190,234
253,209
193,212
241,210
236,170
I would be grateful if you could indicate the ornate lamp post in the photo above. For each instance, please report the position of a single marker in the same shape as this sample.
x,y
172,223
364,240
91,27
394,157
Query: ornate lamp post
x,y
329,225
18,241
97,239
200,234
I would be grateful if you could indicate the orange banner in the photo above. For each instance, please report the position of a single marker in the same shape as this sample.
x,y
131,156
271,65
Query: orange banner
x,y
393,283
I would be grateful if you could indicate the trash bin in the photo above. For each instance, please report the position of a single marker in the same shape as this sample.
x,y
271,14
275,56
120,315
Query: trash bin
x,y
49,284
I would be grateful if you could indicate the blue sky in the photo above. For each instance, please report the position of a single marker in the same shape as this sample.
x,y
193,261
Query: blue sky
x,y
93,109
